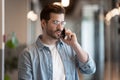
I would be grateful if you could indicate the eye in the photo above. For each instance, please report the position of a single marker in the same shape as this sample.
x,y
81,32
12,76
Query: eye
x,y
56,22
63,23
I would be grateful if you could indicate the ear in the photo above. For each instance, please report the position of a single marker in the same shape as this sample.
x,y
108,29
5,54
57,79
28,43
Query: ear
x,y
43,23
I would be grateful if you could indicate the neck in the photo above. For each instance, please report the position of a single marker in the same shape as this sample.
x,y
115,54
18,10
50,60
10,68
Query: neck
x,y
48,41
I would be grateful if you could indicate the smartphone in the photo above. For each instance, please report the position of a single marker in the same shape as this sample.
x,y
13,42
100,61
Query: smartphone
x,y
63,33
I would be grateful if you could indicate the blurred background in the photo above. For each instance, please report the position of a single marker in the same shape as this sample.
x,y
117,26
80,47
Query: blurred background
x,y
95,22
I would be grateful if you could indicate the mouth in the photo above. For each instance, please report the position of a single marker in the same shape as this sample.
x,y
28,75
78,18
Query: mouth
x,y
58,33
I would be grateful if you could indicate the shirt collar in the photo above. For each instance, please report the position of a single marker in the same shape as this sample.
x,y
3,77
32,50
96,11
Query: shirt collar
x,y
41,46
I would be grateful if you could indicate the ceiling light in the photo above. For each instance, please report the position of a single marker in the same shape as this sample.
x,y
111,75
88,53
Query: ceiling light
x,y
32,16
65,3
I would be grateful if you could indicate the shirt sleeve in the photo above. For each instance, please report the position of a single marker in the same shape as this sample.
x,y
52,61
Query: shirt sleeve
x,y
24,66
89,67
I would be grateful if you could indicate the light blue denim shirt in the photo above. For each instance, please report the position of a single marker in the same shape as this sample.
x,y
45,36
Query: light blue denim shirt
x,y
35,63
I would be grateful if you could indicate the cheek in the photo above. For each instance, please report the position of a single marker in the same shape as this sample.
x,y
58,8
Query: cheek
x,y
51,27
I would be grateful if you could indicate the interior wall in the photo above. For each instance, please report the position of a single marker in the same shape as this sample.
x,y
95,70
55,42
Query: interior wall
x,y
0,39
15,19
0,24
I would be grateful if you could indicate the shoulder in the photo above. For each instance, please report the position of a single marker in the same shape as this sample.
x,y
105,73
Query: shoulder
x,y
29,51
31,48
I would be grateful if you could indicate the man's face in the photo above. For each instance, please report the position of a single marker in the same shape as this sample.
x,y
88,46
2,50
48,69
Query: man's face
x,y
54,26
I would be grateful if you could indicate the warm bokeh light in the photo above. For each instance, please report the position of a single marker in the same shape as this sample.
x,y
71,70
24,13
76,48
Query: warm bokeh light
x,y
32,16
57,3
65,3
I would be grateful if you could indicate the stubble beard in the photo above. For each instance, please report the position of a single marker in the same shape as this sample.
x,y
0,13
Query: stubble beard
x,y
53,35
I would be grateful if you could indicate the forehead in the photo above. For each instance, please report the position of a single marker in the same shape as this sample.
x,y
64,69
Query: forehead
x,y
57,16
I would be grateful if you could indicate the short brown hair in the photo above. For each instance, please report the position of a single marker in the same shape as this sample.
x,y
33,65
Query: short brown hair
x,y
51,8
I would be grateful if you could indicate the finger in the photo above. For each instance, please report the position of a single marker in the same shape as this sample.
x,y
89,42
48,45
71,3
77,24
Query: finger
x,y
68,31
68,34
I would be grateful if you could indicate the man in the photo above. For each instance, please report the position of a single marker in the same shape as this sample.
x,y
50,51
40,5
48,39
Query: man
x,y
53,57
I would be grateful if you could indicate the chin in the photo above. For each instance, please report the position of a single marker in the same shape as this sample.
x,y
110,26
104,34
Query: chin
x,y
56,37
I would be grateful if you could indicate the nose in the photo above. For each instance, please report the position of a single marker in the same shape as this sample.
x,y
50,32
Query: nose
x,y
60,27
